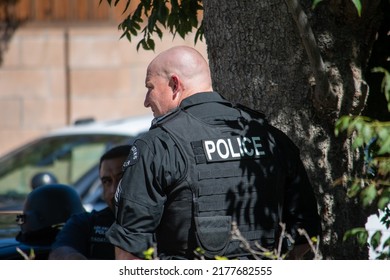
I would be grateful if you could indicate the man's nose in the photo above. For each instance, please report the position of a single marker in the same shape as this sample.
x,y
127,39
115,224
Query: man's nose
x,y
146,103
114,185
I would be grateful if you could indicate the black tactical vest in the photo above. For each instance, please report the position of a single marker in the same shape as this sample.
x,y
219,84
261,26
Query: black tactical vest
x,y
236,175
100,248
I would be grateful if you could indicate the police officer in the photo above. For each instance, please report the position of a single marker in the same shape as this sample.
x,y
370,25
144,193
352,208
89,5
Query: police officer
x,y
83,236
207,165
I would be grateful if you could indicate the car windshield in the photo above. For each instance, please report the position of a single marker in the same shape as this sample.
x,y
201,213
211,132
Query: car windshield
x,y
68,157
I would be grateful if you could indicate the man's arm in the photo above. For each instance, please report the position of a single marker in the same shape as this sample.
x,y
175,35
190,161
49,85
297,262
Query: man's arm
x,y
72,241
139,203
66,253
124,255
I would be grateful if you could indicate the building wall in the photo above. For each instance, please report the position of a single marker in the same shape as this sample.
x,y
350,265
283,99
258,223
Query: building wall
x,y
54,74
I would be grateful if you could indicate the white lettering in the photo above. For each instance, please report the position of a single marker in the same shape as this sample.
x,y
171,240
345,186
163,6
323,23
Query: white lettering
x,y
233,148
240,146
258,146
248,152
210,148
221,154
234,154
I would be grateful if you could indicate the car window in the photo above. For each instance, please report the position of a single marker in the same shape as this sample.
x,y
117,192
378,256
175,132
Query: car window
x,y
8,225
69,158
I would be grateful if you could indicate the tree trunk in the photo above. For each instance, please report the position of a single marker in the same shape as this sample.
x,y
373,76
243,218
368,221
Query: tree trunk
x,y
260,56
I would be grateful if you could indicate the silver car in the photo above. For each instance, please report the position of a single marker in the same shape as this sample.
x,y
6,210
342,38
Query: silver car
x,y
71,154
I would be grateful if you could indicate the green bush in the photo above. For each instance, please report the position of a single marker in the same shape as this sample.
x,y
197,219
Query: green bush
x,y
373,186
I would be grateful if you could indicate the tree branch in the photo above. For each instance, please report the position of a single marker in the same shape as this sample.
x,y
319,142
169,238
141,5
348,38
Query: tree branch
x,y
324,98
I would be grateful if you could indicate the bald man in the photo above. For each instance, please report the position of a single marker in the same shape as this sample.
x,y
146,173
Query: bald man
x,y
207,165
174,76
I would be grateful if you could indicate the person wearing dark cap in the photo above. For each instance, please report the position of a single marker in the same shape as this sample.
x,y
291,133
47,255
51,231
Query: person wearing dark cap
x,y
43,178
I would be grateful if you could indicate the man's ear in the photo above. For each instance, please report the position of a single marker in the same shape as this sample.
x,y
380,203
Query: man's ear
x,y
174,83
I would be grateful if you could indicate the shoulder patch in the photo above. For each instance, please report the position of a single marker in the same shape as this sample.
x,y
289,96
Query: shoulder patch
x,y
132,158
118,192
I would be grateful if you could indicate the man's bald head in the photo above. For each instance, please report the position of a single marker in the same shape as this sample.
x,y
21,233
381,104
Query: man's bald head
x,y
188,64
174,75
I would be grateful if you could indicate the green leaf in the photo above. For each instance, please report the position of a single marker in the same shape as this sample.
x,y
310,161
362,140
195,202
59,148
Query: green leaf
x,y
358,6
386,243
126,7
358,125
353,123
140,43
128,36
358,142
148,254
385,83
360,233
199,33
152,22
385,148
383,202
220,258
151,44
133,31
368,195
138,12
136,25
376,239
342,124
384,133
354,189
367,132
174,5
172,21
123,35
315,3
163,14
159,32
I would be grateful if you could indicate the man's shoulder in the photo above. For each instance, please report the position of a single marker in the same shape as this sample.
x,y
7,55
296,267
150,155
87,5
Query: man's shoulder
x,y
157,122
104,216
154,133
83,215
80,218
89,216
90,219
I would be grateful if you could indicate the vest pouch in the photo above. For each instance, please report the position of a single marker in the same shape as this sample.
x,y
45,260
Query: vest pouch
x,y
213,234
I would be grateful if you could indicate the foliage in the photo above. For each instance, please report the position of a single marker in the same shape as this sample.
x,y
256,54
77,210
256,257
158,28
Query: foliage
x,y
385,83
31,256
373,187
9,23
257,251
149,254
357,3
179,17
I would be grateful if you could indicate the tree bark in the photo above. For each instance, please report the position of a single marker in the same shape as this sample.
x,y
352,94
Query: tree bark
x,y
258,57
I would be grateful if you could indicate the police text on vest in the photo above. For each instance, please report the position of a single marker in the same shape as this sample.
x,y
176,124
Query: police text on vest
x,y
233,148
